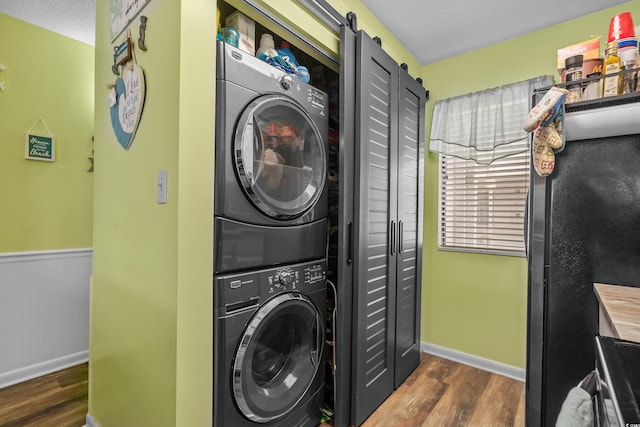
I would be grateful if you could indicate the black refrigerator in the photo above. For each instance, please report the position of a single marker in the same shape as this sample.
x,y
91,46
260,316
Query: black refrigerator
x,y
583,227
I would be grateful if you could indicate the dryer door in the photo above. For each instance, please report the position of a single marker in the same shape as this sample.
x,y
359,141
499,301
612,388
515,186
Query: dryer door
x,y
277,357
279,156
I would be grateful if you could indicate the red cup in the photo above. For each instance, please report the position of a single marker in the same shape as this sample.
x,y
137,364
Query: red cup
x,y
621,27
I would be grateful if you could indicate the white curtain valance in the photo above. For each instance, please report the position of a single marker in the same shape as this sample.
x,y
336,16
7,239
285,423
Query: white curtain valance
x,y
485,125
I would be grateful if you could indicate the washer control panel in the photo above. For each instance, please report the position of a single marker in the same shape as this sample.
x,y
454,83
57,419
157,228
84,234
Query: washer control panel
x,y
302,277
233,292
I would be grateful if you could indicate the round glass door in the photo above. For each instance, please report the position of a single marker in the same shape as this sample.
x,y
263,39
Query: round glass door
x,y
280,157
278,357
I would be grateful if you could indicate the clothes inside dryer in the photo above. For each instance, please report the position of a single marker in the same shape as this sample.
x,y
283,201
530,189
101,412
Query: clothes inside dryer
x,y
280,156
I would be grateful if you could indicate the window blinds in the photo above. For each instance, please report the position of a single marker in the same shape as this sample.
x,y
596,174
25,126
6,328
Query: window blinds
x,y
482,206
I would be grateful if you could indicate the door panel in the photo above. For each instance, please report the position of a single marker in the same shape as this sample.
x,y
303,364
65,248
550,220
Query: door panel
x,y
344,310
375,227
410,153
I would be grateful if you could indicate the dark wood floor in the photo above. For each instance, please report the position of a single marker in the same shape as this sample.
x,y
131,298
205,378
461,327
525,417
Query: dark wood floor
x,y
59,399
439,393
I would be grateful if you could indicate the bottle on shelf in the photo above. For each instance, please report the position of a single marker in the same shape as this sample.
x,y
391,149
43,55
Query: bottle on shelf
x,y
630,81
267,47
612,64
573,65
594,86
285,51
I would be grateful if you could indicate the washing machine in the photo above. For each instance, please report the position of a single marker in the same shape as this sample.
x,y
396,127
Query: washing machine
x,y
270,200
269,329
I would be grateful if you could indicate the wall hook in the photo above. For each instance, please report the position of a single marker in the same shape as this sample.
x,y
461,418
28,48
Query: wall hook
x,y
3,71
143,27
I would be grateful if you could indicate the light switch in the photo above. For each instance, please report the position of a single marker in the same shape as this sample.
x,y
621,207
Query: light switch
x,y
162,187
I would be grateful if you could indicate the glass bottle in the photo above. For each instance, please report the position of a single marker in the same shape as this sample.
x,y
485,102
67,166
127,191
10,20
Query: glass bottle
x,y
594,86
612,65
573,73
630,81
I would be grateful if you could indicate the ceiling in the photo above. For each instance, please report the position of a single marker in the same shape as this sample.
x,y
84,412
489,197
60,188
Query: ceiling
x,y
434,30
72,18
430,30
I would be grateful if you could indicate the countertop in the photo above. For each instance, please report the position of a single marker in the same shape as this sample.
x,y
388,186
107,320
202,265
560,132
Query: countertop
x,y
621,305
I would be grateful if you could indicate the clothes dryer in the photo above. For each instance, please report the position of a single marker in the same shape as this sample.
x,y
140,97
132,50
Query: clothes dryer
x,y
269,329
271,165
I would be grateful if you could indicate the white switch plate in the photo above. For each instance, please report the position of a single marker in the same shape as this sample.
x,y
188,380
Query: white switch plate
x,y
162,187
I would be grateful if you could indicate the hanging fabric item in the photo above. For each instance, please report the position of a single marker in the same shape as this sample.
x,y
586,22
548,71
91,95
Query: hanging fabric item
x,y
544,120
546,110
486,125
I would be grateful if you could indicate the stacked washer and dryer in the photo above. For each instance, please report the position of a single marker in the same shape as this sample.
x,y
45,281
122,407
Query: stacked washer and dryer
x,y
269,245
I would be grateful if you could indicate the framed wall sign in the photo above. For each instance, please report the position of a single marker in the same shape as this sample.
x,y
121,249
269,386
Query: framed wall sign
x,y
38,146
123,12
122,53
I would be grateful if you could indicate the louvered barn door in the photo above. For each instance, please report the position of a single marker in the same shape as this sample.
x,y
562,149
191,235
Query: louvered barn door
x,y
375,229
412,98
344,313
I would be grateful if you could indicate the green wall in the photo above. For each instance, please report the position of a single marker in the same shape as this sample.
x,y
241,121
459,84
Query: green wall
x,y
151,296
45,205
475,303
195,213
133,295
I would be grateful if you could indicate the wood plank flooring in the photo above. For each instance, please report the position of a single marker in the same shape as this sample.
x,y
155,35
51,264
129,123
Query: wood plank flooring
x,y
443,393
439,393
59,399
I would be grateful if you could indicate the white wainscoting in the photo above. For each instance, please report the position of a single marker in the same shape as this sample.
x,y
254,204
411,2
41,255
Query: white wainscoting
x,y
44,312
475,361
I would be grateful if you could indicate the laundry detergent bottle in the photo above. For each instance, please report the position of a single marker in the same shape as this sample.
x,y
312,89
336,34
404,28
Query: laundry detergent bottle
x,y
267,47
284,50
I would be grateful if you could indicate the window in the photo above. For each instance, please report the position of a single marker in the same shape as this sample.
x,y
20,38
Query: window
x,y
484,168
482,206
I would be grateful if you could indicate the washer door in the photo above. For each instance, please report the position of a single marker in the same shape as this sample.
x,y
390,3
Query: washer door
x,y
278,357
279,157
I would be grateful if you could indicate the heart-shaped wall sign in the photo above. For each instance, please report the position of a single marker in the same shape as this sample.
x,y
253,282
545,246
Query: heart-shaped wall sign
x,y
127,102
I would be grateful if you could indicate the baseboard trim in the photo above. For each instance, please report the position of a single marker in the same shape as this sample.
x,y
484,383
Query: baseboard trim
x,y
475,361
90,422
39,369
6,257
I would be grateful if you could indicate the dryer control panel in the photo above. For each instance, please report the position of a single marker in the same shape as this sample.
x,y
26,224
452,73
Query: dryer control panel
x,y
235,292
